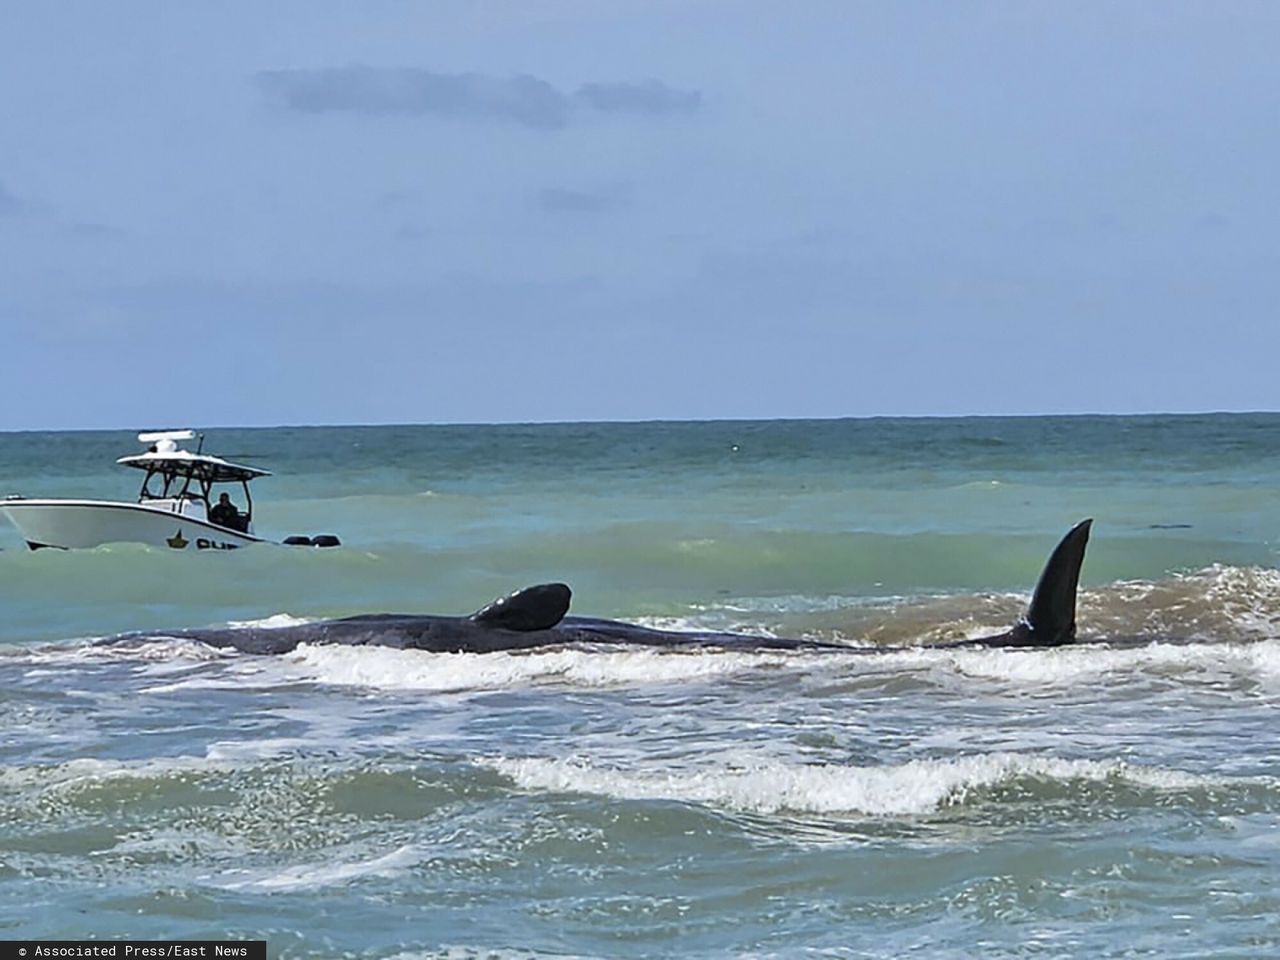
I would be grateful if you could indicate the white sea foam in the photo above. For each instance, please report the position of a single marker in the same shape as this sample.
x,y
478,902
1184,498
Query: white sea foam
x,y
697,624
233,672
315,875
249,680
386,668
154,649
1248,596
267,748
178,664
272,622
1218,603
83,771
915,787
1073,664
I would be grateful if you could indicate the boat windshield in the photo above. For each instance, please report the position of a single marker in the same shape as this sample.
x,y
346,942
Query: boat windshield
x,y
173,474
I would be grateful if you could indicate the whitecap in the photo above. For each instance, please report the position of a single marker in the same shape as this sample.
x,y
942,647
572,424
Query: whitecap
x,y
387,668
911,788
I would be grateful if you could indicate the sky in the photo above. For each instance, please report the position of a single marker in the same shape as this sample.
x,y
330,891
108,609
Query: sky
x,y
280,212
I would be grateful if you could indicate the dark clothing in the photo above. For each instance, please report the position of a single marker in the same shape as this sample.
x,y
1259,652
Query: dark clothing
x,y
225,515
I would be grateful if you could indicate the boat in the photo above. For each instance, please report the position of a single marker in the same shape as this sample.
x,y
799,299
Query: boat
x,y
175,506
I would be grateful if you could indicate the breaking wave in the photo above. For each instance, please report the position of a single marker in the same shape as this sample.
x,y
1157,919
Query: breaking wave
x,y
913,788
1217,603
417,670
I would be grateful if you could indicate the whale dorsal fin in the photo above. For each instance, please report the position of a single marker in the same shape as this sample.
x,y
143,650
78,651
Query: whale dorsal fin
x,y
534,608
1051,617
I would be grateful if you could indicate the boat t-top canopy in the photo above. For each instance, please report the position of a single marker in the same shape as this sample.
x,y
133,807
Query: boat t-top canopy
x,y
164,457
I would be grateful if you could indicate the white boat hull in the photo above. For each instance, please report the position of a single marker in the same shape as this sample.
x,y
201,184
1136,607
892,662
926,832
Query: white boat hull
x,y
75,524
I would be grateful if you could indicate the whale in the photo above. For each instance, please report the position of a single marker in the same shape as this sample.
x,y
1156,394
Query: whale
x,y
538,616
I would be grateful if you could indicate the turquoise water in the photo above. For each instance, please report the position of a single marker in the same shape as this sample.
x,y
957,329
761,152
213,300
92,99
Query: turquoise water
x,y
1118,798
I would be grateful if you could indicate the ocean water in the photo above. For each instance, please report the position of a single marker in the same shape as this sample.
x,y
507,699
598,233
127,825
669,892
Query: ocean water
x,y
1118,798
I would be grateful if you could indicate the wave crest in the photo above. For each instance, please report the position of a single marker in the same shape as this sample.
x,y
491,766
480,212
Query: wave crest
x,y
912,788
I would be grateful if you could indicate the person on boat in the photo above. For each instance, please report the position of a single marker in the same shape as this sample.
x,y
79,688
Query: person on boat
x,y
224,513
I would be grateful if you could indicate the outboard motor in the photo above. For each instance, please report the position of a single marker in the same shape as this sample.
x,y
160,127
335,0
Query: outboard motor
x,y
319,540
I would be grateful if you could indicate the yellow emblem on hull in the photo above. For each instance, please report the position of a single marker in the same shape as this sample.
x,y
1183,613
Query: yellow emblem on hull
x,y
177,541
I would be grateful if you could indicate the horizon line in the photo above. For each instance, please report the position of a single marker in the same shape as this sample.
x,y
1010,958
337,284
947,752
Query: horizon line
x,y
637,421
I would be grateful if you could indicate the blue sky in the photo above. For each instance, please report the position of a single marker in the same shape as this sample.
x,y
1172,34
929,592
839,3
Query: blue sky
x,y
309,212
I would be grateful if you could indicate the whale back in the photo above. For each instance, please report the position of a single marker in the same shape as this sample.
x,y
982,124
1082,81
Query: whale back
x,y
540,607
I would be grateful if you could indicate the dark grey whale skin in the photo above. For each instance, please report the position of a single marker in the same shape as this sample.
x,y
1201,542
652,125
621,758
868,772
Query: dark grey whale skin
x,y
535,617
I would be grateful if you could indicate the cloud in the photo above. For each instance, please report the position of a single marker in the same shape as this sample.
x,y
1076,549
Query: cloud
x,y
407,91
561,200
651,97
10,206
95,231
